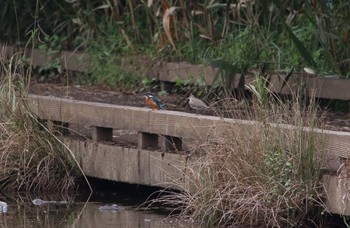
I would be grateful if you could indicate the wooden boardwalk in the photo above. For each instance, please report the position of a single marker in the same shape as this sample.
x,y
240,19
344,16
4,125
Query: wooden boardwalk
x,y
167,131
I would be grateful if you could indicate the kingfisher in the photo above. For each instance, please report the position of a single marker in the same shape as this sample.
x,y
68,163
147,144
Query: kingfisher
x,y
153,102
196,104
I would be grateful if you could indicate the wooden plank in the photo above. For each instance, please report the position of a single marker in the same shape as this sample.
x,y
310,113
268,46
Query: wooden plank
x,y
164,169
128,165
40,58
172,71
188,126
337,191
162,122
7,52
322,87
331,88
168,170
75,61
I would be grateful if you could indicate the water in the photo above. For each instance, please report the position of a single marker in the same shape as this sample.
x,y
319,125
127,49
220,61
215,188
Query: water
x,y
83,211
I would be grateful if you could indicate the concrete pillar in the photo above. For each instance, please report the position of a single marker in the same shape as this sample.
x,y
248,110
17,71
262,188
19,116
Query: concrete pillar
x,y
147,140
102,134
168,143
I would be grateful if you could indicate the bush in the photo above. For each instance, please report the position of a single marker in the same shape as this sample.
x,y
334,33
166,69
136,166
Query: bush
x,y
32,158
267,173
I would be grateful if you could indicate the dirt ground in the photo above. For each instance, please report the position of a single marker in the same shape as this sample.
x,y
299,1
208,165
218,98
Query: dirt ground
x,y
336,121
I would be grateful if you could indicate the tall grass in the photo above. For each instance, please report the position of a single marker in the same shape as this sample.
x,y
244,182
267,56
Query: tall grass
x,y
266,174
31,157
275,34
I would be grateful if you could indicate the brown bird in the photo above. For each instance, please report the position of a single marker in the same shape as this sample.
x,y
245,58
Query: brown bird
x,y
196,104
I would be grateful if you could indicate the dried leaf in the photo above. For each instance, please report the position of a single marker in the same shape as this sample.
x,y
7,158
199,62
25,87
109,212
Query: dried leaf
x,y
166,23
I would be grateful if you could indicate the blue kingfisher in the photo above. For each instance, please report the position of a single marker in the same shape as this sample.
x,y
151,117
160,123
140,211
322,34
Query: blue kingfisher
x,y
153,102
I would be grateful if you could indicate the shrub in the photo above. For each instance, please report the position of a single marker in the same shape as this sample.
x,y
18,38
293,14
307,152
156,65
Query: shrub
x,y
264,173
32,158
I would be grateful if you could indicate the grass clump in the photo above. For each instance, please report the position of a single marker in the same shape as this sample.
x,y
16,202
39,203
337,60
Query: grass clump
x,y
266,173
31,157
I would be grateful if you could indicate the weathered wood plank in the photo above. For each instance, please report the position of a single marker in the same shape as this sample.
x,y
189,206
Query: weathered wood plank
x,y
169,123
322,87
162,122
337,190
164,169
127,165
74,61
173,71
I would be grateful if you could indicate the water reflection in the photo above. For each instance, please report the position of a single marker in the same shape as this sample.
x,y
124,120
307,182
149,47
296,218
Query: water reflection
x,y
83,211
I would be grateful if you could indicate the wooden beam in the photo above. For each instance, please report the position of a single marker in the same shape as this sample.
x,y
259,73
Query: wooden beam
x,y
321,87
133,166
186,126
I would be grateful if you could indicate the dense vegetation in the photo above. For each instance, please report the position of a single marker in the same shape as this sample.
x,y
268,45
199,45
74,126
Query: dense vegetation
x,y
263,175
268,35
32,157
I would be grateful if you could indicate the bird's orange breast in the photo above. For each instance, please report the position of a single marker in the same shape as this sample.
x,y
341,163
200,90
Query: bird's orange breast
x,y
151,103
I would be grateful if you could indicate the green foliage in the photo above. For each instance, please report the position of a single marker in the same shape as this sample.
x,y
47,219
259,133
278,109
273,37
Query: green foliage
x,y
112,62
19,17
198,87
52,45
275,34
112,72
149,84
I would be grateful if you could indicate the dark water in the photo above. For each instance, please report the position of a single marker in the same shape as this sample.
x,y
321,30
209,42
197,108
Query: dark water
x,y
82,210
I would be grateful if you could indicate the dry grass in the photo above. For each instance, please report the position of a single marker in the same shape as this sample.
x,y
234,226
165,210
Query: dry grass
x,y
265,174
31,157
